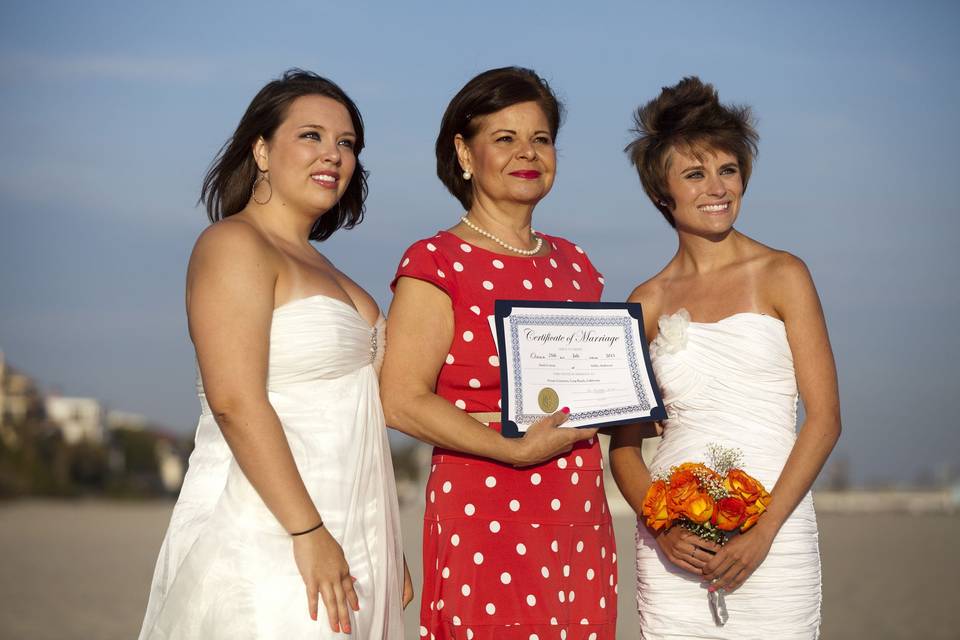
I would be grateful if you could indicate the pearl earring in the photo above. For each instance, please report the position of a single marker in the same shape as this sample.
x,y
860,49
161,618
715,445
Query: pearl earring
x,y
467,175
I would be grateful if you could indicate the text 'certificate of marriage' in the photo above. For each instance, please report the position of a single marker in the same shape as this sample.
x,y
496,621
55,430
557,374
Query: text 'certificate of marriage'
x,y
589,356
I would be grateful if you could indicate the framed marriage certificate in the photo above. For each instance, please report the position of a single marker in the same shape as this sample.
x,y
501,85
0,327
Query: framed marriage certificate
x,y
589,356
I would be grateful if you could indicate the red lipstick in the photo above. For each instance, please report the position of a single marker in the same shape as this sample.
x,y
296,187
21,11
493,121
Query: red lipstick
x,y
526,174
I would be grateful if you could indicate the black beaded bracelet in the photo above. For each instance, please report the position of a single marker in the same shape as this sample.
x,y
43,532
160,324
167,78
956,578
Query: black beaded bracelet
x,y
310,530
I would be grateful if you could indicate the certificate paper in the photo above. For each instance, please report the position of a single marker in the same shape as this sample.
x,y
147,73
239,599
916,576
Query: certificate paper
x,y
589,356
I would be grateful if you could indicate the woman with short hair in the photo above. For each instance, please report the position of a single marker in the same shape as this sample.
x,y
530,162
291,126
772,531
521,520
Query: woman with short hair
x,y
737,331
517,539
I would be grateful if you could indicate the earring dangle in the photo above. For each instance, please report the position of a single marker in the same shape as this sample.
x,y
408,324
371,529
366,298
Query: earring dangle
x,y
467,175
261,178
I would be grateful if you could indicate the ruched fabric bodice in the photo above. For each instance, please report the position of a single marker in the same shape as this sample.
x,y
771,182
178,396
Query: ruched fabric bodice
x,y
732,383
226,568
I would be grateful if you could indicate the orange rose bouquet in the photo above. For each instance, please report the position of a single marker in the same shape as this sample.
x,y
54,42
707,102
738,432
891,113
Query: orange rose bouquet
x,y
712,501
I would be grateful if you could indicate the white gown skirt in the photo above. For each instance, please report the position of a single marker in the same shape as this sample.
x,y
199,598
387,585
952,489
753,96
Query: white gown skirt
x,y
732,383
226,568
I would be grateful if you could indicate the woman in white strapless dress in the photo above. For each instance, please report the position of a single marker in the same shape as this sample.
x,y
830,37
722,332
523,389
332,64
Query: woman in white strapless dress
x,y
287,524
738,333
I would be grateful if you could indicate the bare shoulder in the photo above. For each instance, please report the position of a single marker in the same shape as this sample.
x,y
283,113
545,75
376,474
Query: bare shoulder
x,y
232,255
772,268
231,237
650,295
646,292
651,292
785,269
787,283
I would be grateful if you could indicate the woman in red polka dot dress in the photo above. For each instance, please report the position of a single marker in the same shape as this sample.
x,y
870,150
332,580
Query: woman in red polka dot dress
x,y
518,541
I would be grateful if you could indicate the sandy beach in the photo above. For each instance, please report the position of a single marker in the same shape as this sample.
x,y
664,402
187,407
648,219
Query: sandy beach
x,y
82,569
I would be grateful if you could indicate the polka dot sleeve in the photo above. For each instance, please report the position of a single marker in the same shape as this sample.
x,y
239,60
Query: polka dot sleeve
x,y
426,260
592,270
581,264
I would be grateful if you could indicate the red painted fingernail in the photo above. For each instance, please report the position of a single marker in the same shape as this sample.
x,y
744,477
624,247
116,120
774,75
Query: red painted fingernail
x,y
313,617
565,409
711,588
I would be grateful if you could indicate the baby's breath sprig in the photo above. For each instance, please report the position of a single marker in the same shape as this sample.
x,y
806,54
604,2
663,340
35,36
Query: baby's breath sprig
x,y
712,485
723,459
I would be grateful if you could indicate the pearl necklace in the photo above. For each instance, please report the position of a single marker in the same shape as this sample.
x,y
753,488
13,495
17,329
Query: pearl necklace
x,y
508,247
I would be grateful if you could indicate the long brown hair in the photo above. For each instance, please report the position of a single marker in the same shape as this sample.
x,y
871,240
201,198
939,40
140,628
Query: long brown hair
x,y
229,180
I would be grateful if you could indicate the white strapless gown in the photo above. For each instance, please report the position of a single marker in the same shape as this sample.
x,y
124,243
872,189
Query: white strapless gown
x,y
731,382
226,567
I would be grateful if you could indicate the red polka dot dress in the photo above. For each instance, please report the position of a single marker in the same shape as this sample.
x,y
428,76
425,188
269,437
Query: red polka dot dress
x,y
525,554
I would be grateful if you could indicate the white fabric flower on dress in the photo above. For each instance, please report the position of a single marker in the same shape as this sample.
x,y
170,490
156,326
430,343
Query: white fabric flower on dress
x,y
673,332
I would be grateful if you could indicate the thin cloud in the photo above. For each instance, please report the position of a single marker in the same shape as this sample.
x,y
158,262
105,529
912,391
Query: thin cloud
x,y
119,67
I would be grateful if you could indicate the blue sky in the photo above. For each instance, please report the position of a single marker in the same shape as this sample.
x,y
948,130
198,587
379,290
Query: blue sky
x,y
111,111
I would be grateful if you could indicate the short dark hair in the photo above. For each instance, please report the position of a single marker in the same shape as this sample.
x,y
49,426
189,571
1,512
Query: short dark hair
x,y
488,93
688,116
229,180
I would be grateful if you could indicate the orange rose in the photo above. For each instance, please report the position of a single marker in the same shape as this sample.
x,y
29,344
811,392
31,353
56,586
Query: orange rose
x,y
655,506
683,486
698,508
694,466
743,486
729,514
755,510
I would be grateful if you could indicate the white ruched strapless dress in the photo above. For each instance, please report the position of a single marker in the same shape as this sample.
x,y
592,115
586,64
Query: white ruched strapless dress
x,y
731,382
226,567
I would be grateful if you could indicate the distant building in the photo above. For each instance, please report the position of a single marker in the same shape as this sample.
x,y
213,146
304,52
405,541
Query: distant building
x,y
79,419
3,388
126,420
20,397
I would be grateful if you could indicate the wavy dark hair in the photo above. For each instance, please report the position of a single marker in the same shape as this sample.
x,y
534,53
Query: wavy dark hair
x,y
488,93
688,116
229,180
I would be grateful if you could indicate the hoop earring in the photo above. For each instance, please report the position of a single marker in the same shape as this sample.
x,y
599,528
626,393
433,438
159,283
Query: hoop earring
x,y
262,178
467,175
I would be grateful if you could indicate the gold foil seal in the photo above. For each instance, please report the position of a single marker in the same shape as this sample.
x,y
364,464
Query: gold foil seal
x,y
548,400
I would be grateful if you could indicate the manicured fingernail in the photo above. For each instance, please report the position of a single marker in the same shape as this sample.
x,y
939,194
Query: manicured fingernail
x,y
711,588
313,617
565,409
